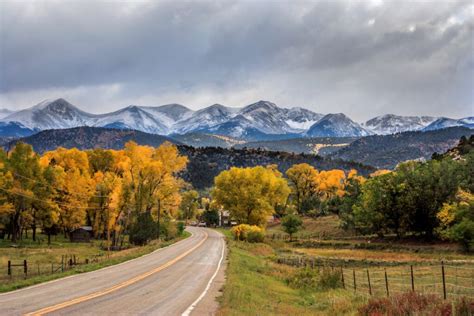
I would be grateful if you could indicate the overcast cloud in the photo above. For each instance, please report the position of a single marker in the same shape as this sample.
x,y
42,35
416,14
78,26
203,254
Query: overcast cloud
x,y
363,58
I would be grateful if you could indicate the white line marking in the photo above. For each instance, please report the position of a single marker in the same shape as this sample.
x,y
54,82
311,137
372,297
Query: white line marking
x,y
188,311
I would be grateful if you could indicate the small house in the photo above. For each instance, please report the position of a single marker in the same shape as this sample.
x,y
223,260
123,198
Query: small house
x,y
81,234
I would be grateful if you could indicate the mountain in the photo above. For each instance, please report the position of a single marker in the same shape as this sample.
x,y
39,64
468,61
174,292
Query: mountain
x,y
445,122
301,119
259,121
386,151
88,138
131,117
204,118
5,112
50,115
206,140
322,146
391,124
15,129
336,125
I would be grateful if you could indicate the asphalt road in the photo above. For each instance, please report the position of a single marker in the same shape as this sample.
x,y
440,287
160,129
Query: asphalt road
x,y
166,282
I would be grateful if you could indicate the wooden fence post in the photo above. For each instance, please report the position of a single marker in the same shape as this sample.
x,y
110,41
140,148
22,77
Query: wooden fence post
x,y
444,279
342,278
354,276
25,268
412,279
368,282
9,268
386,283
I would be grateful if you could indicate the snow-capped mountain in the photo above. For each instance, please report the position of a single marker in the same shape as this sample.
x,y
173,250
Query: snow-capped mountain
x,y
257,121
336,125
5,113
391,124
301,119
51,115
131,117
444,122
205,118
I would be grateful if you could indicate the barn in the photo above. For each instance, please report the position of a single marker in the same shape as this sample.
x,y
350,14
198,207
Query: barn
x,y
81,234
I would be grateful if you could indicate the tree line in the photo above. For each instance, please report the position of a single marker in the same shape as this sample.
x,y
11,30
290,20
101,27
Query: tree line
x,y
135,190
431,199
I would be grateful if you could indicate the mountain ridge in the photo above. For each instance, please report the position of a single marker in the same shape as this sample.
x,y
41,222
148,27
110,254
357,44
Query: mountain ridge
x,y
257,121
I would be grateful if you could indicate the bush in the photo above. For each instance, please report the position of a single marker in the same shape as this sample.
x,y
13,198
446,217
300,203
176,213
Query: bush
x,y
306,279
250,233
310,279
143,230
329,279
180,226
412,303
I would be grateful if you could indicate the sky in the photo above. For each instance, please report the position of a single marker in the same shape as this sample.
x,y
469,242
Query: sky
x,y
362,58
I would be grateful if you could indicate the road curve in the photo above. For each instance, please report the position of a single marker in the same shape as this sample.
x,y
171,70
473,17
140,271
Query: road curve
x,y
166,282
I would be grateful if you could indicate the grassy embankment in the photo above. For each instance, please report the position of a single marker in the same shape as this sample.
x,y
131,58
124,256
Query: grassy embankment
x,y
256,285
43,258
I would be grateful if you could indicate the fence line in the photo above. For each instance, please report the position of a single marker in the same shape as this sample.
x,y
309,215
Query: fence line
x,y
23,269
441,279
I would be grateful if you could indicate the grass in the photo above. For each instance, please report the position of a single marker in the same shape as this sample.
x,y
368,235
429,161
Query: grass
x,y
256,285
40,256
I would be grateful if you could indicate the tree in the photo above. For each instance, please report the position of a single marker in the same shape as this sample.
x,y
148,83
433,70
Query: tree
x,y
303,180
291,224
250,194
189,204
457,220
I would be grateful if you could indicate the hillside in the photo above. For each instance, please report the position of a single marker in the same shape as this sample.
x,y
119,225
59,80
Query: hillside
x,y
386,151
89,137
205,163
317,145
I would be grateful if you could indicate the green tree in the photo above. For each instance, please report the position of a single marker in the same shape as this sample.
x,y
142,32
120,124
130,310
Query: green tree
x,y
291,224
189,204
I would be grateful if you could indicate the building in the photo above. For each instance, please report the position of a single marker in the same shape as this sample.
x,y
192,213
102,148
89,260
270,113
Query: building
x,y
81,234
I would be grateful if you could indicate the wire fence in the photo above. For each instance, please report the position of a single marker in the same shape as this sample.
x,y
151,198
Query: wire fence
x,y
446,279
24,269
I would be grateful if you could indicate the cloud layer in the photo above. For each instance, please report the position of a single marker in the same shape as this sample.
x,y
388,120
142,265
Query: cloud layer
x,y
363,58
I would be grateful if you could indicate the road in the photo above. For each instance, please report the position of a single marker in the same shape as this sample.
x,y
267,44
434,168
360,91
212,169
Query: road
x,y
166,282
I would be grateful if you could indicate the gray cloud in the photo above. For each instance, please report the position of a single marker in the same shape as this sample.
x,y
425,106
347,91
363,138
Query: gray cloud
x,y
363,58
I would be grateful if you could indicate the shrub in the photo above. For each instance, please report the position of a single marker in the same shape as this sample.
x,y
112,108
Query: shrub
x,y
312,279
143,230
465,307
180,226
306,279
250,233
329,279
412,303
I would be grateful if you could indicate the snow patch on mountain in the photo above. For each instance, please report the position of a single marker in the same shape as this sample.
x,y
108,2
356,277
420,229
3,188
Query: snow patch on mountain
x,y
391,124
336,125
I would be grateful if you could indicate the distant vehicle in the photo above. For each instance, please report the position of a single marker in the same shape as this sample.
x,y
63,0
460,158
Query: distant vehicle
x,y
233,223
193,223
202,224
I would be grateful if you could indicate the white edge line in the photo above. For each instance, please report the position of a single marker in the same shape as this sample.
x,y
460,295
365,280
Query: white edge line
x,y
93,271
188,311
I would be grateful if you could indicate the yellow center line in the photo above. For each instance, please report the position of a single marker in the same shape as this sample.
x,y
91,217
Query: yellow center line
x,y
114,288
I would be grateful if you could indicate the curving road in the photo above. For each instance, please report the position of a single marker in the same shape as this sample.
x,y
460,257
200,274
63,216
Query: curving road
x,y
170,281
